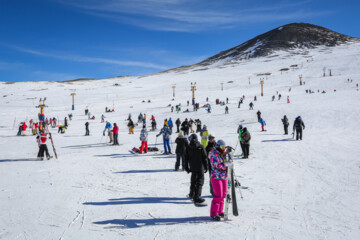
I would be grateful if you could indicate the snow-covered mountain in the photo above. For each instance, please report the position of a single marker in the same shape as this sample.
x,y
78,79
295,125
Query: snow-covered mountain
x,y
307,189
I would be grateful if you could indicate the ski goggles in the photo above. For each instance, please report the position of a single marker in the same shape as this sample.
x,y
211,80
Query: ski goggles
x,y
222,147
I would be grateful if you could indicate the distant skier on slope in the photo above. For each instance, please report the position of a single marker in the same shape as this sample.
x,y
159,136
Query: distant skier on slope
x,y
87,132
251,105
263,124
258,115
298,126
218,180
196,163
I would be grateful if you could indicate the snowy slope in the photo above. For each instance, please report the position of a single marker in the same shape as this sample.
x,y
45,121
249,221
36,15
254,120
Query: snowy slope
x,y
306,189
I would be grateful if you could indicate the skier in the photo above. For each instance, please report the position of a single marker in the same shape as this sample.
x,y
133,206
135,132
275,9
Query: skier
x,y
172,108
181,145
298,126
65,123
178,122
165,131
196,163
227,100
188,102
108,128
239,104
209,108
273,97
144,140
191,123
207,99
204,136
41,138
251,105
240,131
131,126
70,116
116,134
288,99
185,127
198,125
87,132
263,123
279,97
171,124
245,140
102,118
285,122
254,98
218,180
210,146
258,115
226,110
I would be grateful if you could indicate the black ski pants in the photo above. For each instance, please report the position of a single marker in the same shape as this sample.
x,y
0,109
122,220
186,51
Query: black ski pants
x,y
286,129
43,148
180,156
242,148
298,133
246,150
87,132
116,139
197,181
177,130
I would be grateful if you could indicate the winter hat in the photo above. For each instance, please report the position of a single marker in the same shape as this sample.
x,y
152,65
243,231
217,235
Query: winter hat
x,y
193,137
204,127
211,137
240,126
244,129
181,134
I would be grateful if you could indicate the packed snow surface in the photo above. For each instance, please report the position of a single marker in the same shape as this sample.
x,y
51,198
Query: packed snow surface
x,y
307,189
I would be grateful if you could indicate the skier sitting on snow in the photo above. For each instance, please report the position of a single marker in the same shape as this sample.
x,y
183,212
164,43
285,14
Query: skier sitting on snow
x,y
165,131
196,163
41,138
263,123
218,180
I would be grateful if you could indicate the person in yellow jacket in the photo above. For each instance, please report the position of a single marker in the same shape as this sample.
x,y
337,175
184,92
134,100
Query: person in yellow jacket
x,y
204,136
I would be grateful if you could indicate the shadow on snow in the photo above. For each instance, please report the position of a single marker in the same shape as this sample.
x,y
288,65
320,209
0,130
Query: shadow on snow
x,y
148,171
136,223
87,145
21,160
280,140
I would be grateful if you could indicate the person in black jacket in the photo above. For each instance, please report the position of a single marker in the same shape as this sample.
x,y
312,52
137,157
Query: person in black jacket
x,y
178,122
87,129
185,127
210,146
285,122
298,126
181,145
196,163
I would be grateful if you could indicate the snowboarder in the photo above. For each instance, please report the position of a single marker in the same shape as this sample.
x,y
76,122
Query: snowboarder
x,y
226,110
181,145
218,180
263,123
116,134
245,140
87,132
165,131
196,163
285,122
61,129
298,126
251,105
204,136
178,122
41,138
144,140
258,113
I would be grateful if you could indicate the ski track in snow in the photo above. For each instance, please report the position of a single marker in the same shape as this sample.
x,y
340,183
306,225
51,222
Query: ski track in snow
x,y
307,189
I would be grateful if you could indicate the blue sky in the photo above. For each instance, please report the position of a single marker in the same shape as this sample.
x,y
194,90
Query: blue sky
x,y
56,40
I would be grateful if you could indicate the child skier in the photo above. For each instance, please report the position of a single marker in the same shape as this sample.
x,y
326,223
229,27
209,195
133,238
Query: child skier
x,y
263,123
144,140
42,146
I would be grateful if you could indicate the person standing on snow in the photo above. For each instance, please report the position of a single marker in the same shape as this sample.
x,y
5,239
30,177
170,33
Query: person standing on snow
x,y
102,118
87,132
218,180
178,122
263,123
298,126
191,123
251,105
108,128
144,140
131,126
240,131
41,138
181,145
204,136
115,131
285,122
245,140
258,113
185,127
171,124
226,110
165,131
198,125
196,163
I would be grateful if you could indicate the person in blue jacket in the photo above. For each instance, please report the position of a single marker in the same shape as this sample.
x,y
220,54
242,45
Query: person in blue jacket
x,y
263,123
166,132
170,124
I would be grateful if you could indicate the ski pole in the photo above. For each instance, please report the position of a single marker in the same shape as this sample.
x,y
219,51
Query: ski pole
x,y
155,141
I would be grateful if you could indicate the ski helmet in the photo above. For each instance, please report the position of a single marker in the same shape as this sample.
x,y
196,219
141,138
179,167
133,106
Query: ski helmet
x,y
193,137
240,126
220,142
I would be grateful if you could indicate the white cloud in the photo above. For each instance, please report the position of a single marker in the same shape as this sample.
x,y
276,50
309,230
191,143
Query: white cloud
x,y
193,15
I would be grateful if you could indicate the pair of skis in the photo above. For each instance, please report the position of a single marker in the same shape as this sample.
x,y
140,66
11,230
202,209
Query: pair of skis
x,y
52,142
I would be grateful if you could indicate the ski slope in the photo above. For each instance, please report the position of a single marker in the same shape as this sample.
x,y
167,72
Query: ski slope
x,y
307,189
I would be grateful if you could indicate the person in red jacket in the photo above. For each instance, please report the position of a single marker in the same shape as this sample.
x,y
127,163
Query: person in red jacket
x,y
116,132
42,146
23,127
